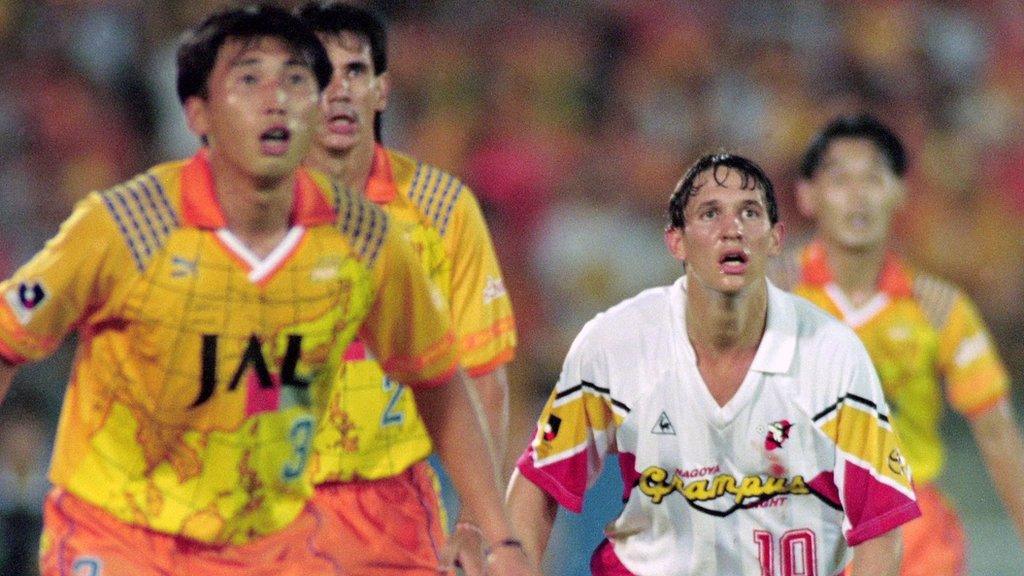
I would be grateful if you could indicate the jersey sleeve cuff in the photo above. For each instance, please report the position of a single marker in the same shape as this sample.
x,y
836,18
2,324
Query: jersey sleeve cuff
x,y
501,359
9,356
548,483
882,524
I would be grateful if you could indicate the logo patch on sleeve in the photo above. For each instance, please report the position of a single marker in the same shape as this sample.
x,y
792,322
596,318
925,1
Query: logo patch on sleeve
x,y
25,298
551,427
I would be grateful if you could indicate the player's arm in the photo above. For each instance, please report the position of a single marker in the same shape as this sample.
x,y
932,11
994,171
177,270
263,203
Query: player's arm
x,y
1002,450
533,514
408,328
482,315
879,556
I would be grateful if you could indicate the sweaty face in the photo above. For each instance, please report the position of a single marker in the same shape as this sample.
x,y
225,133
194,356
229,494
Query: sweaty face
x,y
354,96
261,109
728,237
853,194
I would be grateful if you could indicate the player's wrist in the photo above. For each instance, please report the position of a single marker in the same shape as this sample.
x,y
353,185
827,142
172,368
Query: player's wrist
x,y
510,544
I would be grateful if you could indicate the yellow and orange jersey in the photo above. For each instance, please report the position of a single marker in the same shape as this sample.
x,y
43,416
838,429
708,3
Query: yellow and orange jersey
x,y
371,429
923,335
190,407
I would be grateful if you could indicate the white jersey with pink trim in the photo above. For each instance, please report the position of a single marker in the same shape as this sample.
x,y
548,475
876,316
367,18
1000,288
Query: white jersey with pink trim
x,y
800,465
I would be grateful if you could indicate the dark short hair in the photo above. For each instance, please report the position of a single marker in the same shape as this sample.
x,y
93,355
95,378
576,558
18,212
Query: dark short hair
x,y
720,165
860,126
198,51
333,18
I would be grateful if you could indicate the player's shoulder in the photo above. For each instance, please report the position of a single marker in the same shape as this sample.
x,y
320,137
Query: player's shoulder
x,y
438,195
142,211
363,224
629,323
936,296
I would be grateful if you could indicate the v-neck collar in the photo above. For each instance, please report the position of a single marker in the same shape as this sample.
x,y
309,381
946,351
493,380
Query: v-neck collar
x,y
775,353
894,282
202,210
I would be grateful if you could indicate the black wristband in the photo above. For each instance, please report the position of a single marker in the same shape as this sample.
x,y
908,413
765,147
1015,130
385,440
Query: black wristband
x,y
506,543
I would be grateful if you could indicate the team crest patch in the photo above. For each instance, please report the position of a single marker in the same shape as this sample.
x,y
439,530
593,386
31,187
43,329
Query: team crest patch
x,y
25,299
778,433
551,427
494,289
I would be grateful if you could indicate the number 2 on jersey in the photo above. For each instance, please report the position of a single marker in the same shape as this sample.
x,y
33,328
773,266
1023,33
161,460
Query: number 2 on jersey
x,y
798,550
392,415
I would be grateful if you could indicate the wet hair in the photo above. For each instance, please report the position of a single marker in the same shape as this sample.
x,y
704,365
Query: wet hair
x,y
198,51
861,127
334,18
720,165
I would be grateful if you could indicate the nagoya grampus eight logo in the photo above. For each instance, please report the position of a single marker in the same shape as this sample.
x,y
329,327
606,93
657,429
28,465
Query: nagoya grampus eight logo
x,y
778,433
551,427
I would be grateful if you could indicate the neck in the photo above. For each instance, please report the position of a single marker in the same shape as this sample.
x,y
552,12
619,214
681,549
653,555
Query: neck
x,y
855,271
257,210
723,323
351,166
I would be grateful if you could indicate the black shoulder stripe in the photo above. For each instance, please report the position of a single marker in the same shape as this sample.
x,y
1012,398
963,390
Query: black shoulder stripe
x,y
851,398
602,391
143,215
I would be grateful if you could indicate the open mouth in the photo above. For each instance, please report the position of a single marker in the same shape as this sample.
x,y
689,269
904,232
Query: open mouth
x,y
733,261
274,141
341,123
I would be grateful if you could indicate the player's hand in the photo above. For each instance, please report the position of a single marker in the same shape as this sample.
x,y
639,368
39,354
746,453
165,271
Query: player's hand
x,y
465,550
504,559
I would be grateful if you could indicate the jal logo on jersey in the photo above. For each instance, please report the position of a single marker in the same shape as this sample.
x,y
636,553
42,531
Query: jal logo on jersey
x,y
25,299
265,390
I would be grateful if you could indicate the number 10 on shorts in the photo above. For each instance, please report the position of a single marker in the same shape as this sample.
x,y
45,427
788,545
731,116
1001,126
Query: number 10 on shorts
x,y
797,550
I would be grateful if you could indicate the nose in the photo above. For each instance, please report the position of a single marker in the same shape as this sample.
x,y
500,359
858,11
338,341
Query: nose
x,y
732,228
340,88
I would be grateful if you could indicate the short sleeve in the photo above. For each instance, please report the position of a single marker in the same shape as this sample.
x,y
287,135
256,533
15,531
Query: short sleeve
x,y
871,478
974,375
577,428
70,277
481,308
408,327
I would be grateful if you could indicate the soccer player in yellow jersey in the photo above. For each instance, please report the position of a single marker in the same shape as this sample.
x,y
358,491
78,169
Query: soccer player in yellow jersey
x,y
213,298
369,453
924,335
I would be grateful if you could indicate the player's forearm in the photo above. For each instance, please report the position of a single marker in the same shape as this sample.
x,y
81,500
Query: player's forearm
x,y
492,393
451,418
1002,449
533,514
879,556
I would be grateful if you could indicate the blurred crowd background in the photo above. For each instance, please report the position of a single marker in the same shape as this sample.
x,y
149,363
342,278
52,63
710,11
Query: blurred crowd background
x,y
571,120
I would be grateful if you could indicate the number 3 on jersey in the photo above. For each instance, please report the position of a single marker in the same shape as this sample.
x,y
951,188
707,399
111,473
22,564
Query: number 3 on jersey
x,y
300,436
798,550
392,416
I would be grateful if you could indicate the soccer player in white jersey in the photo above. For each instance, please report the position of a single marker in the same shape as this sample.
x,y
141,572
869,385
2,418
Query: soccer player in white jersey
x,y
750,427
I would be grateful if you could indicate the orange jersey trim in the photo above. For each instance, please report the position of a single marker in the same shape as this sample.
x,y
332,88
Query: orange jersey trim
x,y
893,279
417,363
477,339
380,184
201,209
985,406
504,358
8,355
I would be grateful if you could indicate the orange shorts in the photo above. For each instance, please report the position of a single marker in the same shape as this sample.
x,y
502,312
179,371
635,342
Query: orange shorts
x,y
934,544
80,539
386,527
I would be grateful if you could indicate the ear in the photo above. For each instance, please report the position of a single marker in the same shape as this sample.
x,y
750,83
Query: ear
x,y
901,193
777,235
806,201
383,91
674,242
197,115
